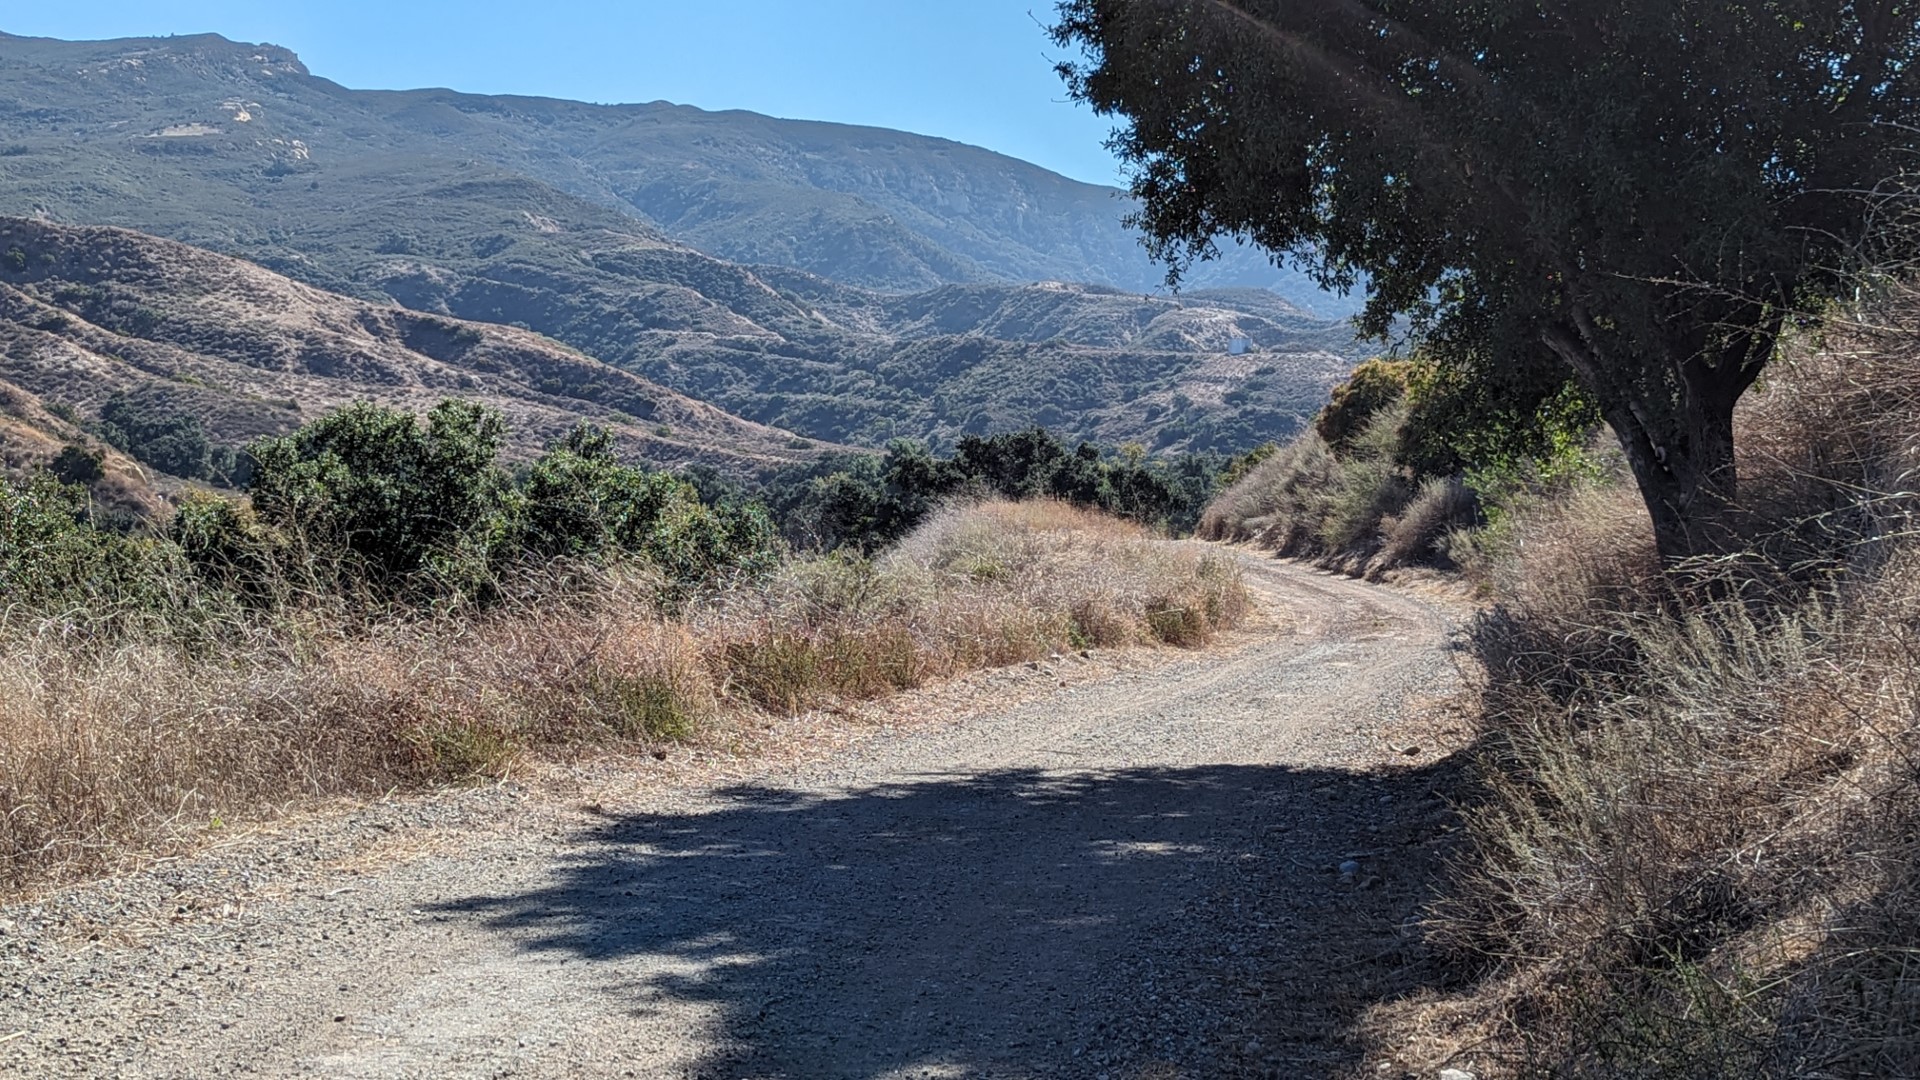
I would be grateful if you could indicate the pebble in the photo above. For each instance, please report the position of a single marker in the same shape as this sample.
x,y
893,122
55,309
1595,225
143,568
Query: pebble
x,y
1178,992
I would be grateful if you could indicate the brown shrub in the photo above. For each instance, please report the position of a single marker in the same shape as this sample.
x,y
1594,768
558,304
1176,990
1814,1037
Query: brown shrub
x,y
1693,844
146,745
1418,533
1358,509
1275,499
1670,860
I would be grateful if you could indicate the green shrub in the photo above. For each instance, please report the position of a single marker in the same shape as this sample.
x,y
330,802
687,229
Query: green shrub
x,y
229,549
76,464
1372,387
1456,422
53,559
865,502
579,501
369,504
172,442
412,506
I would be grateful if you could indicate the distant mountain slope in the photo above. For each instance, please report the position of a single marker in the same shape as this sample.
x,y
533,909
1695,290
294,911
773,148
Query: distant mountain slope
x,y
422,200
90,313
866,206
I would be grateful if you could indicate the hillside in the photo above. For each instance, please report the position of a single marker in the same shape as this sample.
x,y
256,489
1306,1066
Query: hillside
x,y
93,315
238,149
866,206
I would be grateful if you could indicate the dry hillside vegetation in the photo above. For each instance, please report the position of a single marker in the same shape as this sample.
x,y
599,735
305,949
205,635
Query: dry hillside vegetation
x,y
148,740
87,313
1695,836
1358,509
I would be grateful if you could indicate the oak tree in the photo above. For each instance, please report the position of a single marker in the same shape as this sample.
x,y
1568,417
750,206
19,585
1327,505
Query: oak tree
x,y
1635,193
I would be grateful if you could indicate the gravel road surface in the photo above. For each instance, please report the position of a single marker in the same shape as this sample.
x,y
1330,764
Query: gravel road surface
x,y
1199,867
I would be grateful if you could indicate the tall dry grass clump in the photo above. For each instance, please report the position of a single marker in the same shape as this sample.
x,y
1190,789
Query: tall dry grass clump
x,y
1695,843
146,740
1355,507
1282,490
974,586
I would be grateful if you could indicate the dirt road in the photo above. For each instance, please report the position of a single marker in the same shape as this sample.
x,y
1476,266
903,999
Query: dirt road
x,y
1138,876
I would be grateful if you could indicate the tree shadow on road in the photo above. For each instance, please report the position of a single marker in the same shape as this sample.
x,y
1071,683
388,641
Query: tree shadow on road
x,y
1150,922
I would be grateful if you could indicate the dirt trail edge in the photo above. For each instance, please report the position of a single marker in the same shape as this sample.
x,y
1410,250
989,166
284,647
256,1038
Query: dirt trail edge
x,y
1195,870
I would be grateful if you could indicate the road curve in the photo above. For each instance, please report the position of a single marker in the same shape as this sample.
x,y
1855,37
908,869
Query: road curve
x,y
1137,877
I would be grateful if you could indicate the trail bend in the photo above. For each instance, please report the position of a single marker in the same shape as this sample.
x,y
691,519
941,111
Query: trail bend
x,y
1134,877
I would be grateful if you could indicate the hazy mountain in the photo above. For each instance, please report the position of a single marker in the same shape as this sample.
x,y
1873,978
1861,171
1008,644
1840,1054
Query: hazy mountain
x,y
866,206
536,212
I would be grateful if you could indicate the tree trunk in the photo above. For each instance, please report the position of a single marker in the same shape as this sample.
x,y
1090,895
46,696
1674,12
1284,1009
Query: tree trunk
x,y
1686,477
1674,419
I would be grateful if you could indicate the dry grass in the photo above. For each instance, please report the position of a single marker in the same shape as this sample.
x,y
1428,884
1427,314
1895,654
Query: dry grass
x,y
1419,532
1274,495
1695,842
1357,510
143,746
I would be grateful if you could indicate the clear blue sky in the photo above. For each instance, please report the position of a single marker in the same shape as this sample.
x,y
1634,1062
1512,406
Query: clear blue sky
x,y
979,71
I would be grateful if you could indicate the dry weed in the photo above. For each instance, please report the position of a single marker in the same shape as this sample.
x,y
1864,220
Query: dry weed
x,y
147,744
1418,532
1359,510
1694,841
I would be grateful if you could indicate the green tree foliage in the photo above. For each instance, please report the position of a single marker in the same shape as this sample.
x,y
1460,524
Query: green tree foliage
x,y
401,499
38,523
52,557
1373,386
427,509
866,502
229,549
1633,194
172,442
1453,422
372,504
1456,424
77,464
579,501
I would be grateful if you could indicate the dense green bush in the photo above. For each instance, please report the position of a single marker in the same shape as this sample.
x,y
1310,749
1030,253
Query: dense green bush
x,y
865,502
371,505
430,511
76,464
405,503
160,435
1456,422
229,549
53,559
1372,387
578,501
172,442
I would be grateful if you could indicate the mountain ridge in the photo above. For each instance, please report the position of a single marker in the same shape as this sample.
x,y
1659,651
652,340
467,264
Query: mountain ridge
x,y
998,221
236,149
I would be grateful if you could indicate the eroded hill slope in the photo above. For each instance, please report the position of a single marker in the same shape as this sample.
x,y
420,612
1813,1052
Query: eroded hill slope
x,y
531,212
91,314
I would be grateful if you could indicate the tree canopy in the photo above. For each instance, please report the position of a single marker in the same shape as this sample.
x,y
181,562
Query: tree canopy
x,y
1633,194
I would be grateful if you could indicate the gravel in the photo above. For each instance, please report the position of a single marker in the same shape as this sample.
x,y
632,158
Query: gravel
x,y
1199,866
